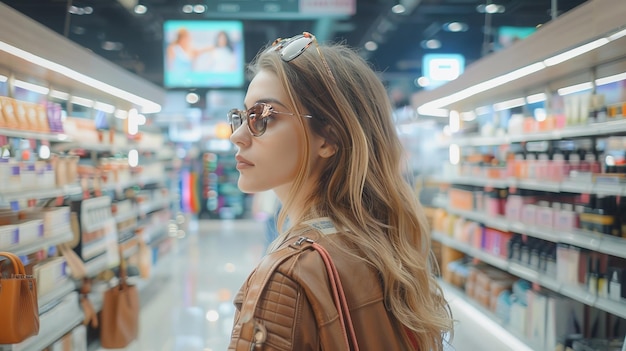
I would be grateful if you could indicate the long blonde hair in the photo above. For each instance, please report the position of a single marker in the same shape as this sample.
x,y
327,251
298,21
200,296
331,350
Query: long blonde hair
x,y
362,188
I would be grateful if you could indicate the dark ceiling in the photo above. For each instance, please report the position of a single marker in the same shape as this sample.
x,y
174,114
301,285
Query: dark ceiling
x,y
399,52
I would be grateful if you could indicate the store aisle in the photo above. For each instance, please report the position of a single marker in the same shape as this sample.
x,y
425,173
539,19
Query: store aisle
x,y
189,306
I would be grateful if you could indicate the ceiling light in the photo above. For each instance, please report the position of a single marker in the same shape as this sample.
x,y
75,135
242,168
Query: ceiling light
x,y
434,112
398,9
88,10
112,45
575,88
199,8
59,95
188,9
192,98
599,81
78,30
422,81
146,105
101,106
81,101
455,27
431,44
555,60
491,8
371,46
121,114
509,104
32,87
141,9
532,99
617,35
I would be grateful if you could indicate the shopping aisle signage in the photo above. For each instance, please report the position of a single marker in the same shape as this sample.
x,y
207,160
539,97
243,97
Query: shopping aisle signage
x,y
250,9
442,68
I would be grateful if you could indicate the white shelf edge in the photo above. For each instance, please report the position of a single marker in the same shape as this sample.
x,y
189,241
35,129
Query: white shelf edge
x,y
57,293
27,134
24,249
592,129
588,240
45,193
567,186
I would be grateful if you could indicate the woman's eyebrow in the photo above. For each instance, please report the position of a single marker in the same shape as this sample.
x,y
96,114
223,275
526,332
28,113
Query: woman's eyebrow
x,y
267,101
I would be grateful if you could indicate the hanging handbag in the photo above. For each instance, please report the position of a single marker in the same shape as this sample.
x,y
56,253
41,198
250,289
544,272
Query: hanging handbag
x,y
119,319
253,333
19,309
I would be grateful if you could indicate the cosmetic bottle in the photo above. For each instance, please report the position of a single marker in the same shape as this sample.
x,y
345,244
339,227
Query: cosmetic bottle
x,y
592,277
573,164
615,285
556,168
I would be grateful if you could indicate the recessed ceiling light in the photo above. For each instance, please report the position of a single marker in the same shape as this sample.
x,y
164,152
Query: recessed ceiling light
x,y
491,8
455,27
199,8
431,44
112,45
141,9
187,9
399,9
371,46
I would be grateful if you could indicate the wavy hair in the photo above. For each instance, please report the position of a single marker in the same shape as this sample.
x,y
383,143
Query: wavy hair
x,y
362,187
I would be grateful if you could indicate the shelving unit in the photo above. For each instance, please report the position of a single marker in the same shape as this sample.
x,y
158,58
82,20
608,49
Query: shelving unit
x,y
31,52
490,81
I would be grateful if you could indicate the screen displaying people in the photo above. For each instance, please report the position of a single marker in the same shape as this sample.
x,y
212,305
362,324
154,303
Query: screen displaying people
x,y
203,54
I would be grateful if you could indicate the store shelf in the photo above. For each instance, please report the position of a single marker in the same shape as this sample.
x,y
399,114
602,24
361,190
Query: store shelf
x,y
52,325
568,186
485,319
28,194
588,240
593,129
61,290
60,137
25,249
577,293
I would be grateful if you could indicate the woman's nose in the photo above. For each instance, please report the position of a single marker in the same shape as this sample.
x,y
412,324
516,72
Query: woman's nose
x,y
240,136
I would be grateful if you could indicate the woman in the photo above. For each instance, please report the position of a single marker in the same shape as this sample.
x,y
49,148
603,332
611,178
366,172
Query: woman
x,y
318,132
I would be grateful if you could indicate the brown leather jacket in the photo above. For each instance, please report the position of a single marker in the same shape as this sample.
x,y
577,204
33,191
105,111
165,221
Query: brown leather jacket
x,y
295,310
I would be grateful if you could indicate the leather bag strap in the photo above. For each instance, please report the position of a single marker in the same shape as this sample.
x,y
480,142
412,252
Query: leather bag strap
x,y
339,296
18,267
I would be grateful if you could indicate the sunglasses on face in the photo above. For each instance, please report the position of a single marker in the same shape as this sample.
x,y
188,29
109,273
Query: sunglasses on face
x,y
293,47
256,116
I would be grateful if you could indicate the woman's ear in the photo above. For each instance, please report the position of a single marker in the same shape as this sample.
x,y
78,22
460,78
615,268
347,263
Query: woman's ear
x,y
327,149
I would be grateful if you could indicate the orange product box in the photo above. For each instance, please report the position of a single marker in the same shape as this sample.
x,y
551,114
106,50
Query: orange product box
x,y
461,199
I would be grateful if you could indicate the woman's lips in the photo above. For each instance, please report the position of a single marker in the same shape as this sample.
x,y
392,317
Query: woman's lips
x,y
242,163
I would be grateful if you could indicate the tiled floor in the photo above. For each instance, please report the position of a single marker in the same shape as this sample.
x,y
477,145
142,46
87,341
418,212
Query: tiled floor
x,y
189,306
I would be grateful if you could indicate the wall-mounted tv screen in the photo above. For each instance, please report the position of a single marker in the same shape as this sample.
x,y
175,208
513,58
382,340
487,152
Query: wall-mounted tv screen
x,y
203,54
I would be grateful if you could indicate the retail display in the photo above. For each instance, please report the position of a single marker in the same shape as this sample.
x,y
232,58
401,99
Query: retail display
x,y
18,302
80,184
533,200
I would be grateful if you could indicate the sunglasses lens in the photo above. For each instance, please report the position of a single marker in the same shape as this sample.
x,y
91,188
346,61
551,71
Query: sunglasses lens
x,y
294,48
256,121
235,120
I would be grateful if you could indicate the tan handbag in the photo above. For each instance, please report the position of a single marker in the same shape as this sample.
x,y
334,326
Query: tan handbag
x,y
18,303
119,319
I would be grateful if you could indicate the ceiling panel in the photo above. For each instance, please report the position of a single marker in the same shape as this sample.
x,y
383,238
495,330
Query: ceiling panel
x,y
399,51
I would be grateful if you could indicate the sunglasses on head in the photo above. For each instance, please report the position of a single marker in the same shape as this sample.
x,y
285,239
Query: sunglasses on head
x,y
293,47
256,116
